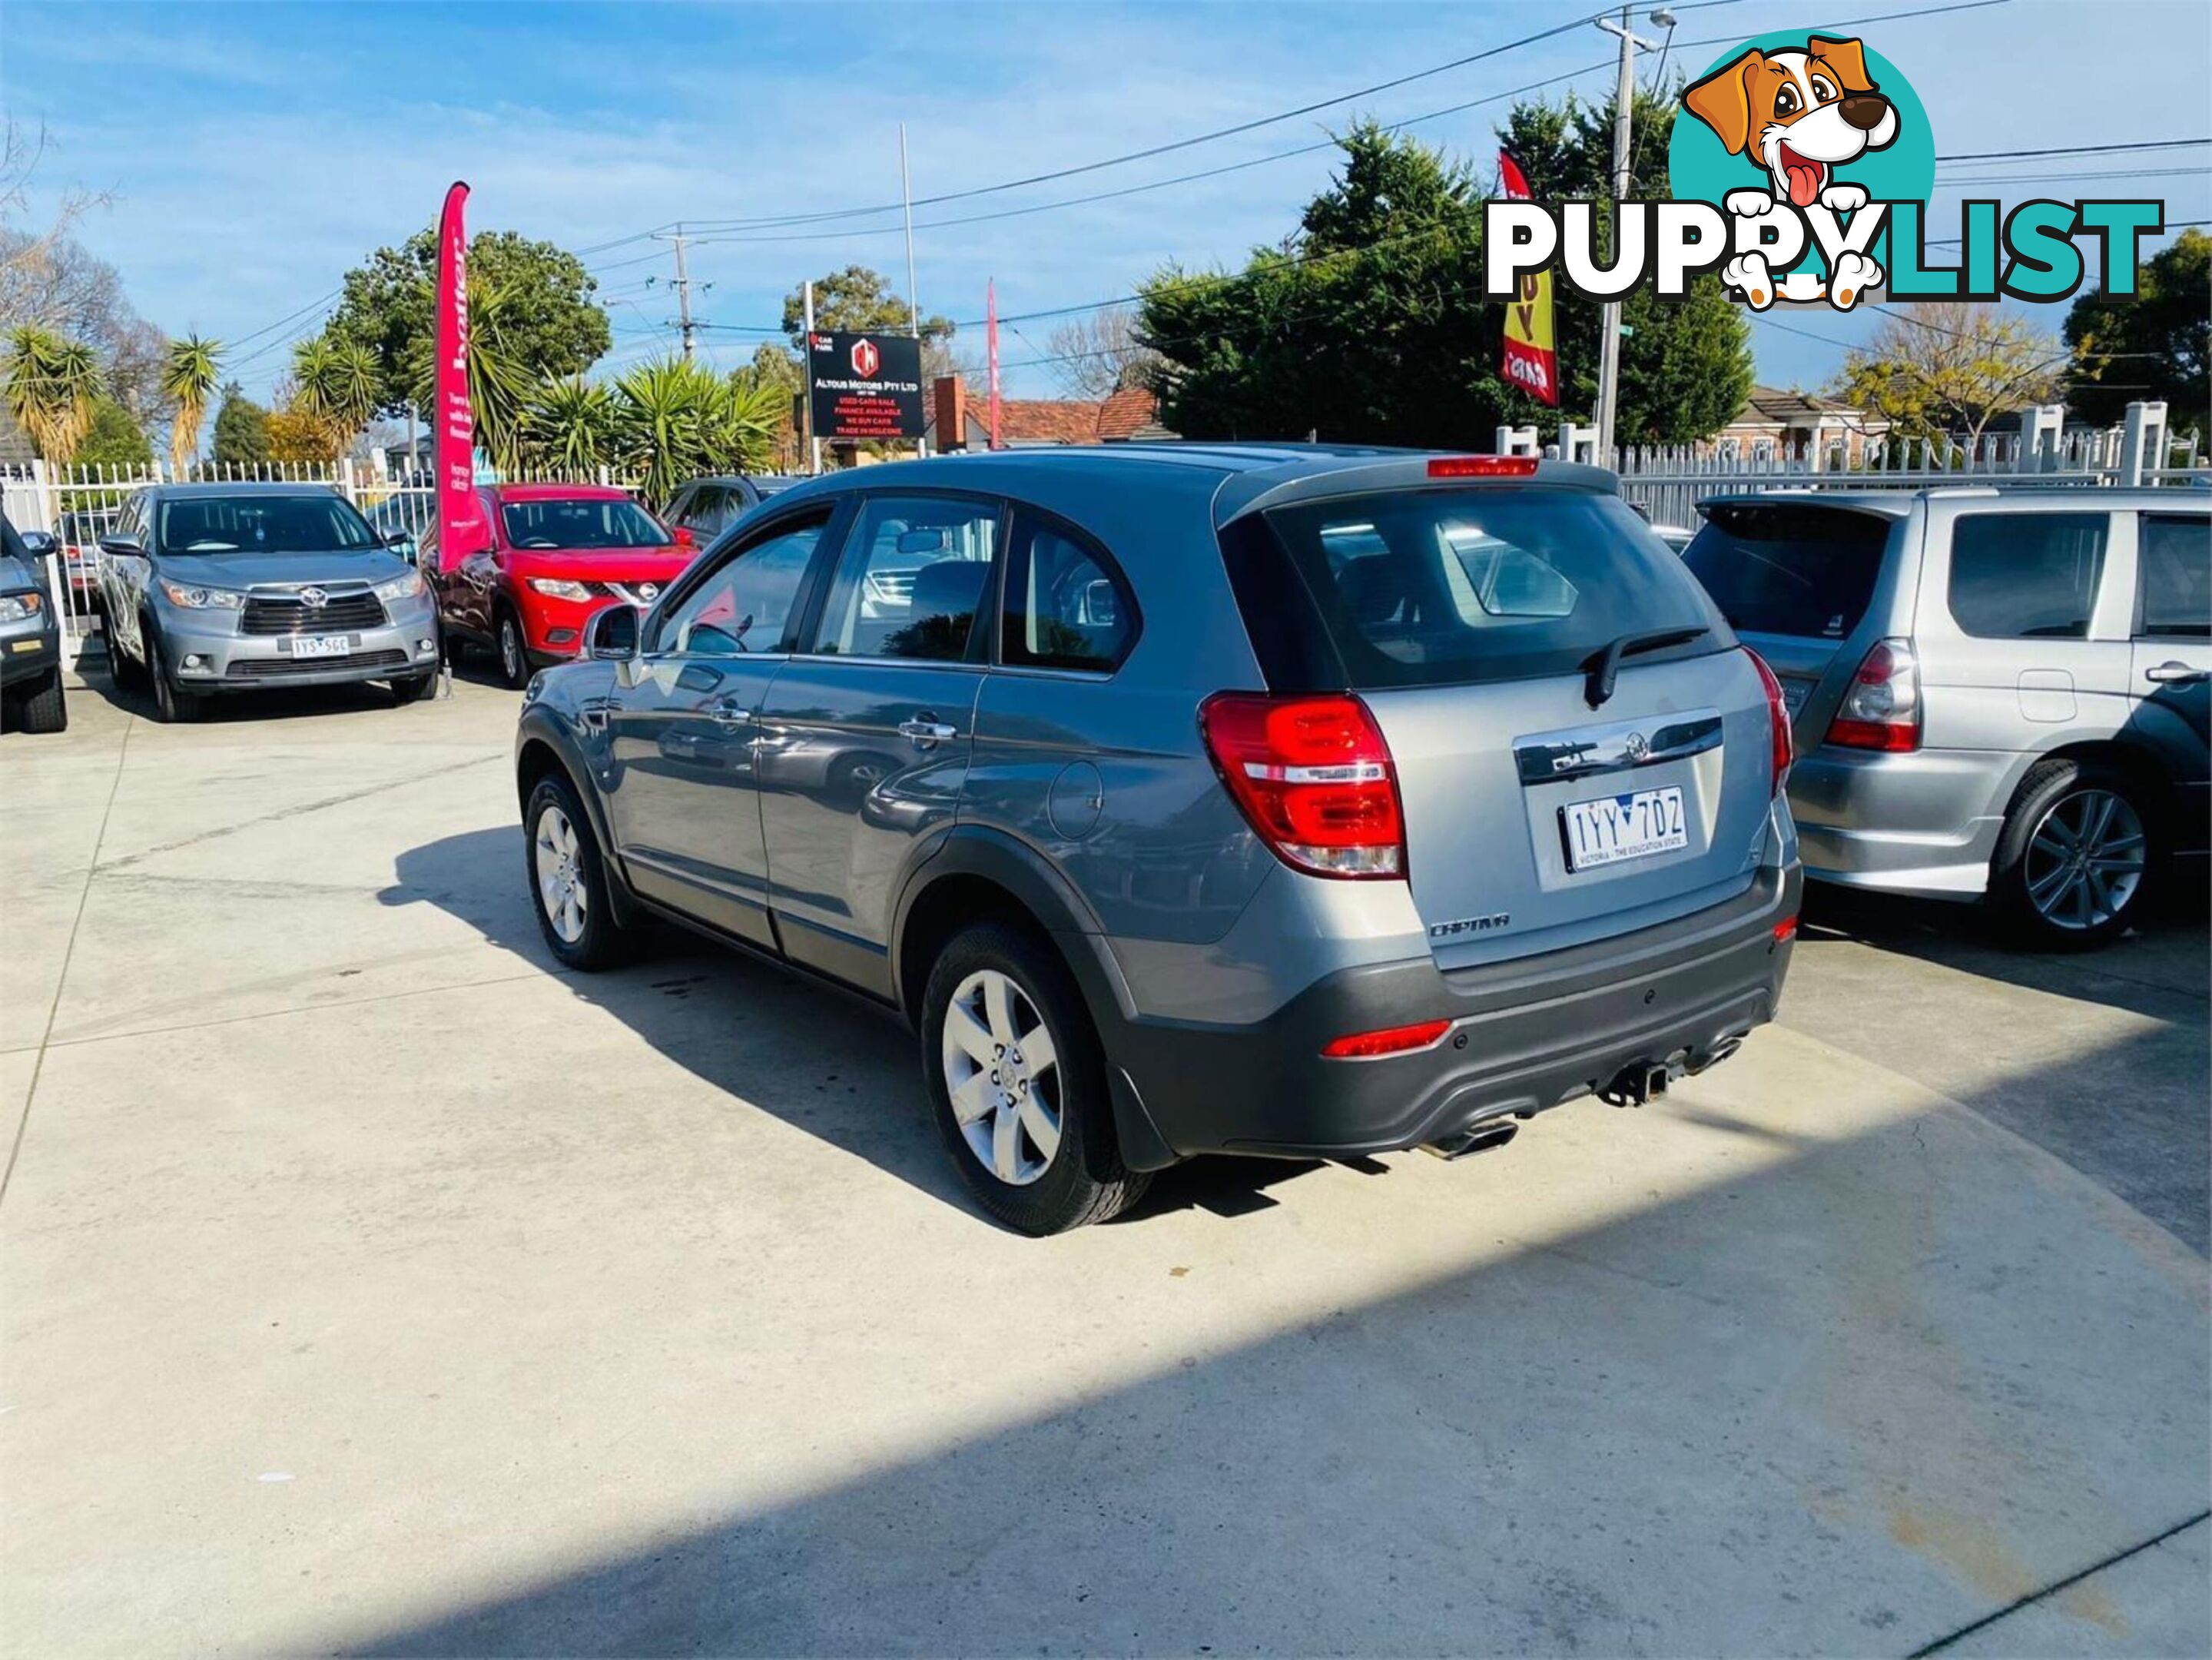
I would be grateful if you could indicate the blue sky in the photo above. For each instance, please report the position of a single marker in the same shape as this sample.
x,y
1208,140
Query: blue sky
x,y
256,152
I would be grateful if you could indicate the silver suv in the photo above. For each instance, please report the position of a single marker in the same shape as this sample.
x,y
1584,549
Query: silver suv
x,y
1997,693
1273,800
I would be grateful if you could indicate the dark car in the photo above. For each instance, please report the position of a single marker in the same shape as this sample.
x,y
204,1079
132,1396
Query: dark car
x,y
1286,800
30,636
705,507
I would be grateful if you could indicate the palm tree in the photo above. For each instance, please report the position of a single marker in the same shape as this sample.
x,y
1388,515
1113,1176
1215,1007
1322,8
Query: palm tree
x,y
189,378
572,426
337,385
499,383
51,384
666,414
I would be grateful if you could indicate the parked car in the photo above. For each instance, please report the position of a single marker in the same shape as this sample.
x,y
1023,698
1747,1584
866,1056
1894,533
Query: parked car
x,y
1277,800
2000,694
222,589
400,518
545,557
79,543
30,634
702,510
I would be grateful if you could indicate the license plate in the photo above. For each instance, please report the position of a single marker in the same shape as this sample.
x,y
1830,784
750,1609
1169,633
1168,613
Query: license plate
x,y
1614,828
322,645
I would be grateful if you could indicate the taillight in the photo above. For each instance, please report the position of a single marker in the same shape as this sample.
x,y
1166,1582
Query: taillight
x,y
1390,1040
1483,466
1313,776
1880,708
1782,750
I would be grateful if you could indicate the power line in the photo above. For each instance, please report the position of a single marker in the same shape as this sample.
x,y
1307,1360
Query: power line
x,y
2078,150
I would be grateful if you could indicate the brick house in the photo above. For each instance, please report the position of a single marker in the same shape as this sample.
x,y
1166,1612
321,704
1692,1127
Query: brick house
x,y
1795,426
960,420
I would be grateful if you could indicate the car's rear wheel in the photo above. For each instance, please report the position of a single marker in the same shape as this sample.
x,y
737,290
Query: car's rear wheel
x,y
513,654
43,706
1018,1082
568,880
171,706
2077,857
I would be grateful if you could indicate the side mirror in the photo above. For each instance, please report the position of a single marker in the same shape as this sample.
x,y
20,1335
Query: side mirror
x,y
611,634
683,537
128,546
403,543
40,544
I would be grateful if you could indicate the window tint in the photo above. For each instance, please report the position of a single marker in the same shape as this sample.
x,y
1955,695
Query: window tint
x,y
2026,575
1446,587
262,524
914,571
706,509
1784,569
1067,606
745,605
2175,559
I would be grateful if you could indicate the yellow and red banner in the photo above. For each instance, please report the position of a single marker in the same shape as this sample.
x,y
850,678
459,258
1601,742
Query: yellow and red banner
x,y
453,428
1532,358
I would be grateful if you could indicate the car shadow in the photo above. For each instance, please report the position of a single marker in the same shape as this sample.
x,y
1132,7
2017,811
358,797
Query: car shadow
x,y
836,1064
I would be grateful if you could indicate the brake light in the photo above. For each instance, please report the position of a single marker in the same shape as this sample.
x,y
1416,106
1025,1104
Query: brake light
x,y
1391,1040
1783,748
1483,466
1785,930
1313,777
1880,708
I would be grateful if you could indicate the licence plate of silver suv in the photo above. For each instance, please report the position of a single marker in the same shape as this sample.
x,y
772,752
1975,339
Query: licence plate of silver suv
x,y
322,645
1614,828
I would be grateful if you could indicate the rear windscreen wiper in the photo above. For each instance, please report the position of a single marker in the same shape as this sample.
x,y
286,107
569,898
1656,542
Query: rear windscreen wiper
x,y
1602,665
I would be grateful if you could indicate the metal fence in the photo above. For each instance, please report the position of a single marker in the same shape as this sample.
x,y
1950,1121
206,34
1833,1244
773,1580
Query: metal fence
x,y
79,505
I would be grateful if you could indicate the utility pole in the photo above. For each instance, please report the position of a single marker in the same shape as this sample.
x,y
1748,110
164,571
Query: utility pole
x,y
806,384
1608,361
683,296
912,299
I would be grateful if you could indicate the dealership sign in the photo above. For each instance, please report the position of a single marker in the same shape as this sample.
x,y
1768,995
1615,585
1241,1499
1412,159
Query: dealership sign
x,y
865,385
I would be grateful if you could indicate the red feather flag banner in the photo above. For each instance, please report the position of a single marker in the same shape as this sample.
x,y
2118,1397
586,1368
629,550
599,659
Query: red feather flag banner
x,y
454,430
1532,359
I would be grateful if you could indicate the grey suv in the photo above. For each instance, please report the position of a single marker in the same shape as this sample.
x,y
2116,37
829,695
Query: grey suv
x,y
214,588
1276,801
1998,693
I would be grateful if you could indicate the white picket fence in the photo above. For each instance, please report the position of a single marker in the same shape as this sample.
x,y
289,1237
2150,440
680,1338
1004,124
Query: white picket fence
x,y
79,505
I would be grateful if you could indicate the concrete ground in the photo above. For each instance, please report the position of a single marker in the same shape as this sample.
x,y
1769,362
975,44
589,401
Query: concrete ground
x,y
366,1286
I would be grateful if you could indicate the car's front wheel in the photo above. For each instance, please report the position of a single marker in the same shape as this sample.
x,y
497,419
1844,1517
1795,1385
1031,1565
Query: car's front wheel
x,y
172,707
513,654
568,880
1018,1082
2076,855
43,707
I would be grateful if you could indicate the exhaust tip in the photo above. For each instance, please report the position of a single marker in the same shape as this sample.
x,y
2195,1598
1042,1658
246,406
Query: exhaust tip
x,y
1480,1138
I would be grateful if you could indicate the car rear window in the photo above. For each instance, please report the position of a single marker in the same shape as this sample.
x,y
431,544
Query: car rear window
x,y
1785,568
1454,587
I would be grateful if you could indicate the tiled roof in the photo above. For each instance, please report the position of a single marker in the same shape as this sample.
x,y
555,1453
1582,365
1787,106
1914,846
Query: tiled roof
x,y
1130,413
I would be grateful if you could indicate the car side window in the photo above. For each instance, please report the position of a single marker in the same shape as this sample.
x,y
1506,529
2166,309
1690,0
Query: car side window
x,y
2173,560
914,571
2027,575
745,605
702,510
1067,606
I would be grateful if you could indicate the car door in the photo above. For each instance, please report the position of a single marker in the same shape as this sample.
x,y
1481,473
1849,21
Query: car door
x,y
681,729
2171,661
866,736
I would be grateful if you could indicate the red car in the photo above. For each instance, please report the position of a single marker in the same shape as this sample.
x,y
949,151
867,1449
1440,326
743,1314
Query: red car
x,y
555,553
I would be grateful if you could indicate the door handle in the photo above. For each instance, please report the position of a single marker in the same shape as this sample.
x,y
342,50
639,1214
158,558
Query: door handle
x,y
729,712
926,730
2173,674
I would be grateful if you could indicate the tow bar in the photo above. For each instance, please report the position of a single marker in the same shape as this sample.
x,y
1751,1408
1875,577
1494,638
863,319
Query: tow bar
x,y
1645,1080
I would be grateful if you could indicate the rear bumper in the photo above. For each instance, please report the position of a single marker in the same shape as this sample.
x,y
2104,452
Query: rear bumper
x,y
1925,824
1526,1035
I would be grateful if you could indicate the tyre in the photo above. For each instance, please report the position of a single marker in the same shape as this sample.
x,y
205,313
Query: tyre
x,y
412,689
125,670
2075,857
568,880
43,707
1018,1083
513,654
171,707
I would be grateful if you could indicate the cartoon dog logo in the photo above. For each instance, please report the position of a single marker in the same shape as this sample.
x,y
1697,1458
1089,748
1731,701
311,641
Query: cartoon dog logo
x,y
1799,116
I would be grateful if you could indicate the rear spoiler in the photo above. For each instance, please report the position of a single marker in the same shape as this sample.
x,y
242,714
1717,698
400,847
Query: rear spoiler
x,y
1265,488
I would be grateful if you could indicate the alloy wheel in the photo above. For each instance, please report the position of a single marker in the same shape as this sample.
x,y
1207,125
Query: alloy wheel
x,y
559,865
2085,859
510,649
1002,1071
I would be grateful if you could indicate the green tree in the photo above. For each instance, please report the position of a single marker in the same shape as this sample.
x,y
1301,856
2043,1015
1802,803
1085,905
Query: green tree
x,y
241,431
51,384
189,376
338,386
551,325
112,439
679,419
572,426
500,382
1933,370
858,301
2156,345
